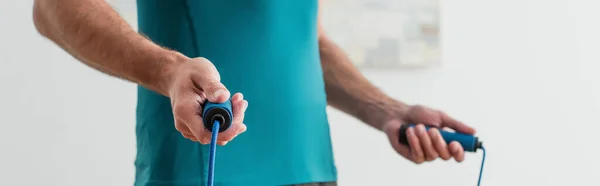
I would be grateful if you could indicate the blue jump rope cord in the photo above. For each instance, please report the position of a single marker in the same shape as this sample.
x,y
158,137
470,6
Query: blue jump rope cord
x,y
481,169
213,149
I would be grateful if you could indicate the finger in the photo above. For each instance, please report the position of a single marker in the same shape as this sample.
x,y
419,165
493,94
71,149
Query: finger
x,y
455,124
430,152
237,97
415,146
184,130
457,151
242,129
189,136
236,126
205,138
186,110
239,111
180,126
239,130
439,143
391,129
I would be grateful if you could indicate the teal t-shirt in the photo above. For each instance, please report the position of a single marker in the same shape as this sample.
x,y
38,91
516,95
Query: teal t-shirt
x,y
265,49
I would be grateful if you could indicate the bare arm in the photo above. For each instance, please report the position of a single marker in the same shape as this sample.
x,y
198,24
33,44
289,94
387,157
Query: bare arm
x,y
92,32
349,91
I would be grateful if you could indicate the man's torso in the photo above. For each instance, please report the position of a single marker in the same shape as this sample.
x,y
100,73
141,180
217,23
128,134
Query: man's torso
x,y
266,49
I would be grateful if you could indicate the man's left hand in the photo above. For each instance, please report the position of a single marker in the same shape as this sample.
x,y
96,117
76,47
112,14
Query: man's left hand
x,y
425,145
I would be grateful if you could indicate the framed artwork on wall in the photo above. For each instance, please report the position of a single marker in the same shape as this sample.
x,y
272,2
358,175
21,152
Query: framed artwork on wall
x,y
385,33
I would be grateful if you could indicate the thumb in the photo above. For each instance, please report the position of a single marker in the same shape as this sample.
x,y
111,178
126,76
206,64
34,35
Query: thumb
x,y
209,81
216,92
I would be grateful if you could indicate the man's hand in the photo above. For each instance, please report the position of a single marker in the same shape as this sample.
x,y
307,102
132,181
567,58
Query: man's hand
x,y
426,145
95,34
191,84
349,91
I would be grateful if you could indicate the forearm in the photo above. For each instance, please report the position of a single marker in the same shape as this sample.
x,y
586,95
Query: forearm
x,y
92,32
349,91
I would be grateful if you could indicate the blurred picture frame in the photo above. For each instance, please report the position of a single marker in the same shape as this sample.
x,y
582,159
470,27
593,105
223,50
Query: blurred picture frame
x,y
385,34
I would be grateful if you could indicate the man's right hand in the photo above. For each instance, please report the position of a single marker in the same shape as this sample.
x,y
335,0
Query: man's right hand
x,y
104,41
193,82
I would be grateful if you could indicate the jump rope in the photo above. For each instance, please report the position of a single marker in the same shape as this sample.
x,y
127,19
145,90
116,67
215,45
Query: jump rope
x,y
218,117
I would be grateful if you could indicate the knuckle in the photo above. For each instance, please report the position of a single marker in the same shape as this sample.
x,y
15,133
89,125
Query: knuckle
x,y
202,59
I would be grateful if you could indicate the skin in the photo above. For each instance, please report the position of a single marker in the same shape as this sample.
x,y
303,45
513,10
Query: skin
x,y
92,32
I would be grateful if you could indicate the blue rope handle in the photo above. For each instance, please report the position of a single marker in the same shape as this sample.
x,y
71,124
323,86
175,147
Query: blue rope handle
x,y
220,116
213,151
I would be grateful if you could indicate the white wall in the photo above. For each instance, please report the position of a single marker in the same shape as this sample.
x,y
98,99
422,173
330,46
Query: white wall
x,y
523,72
